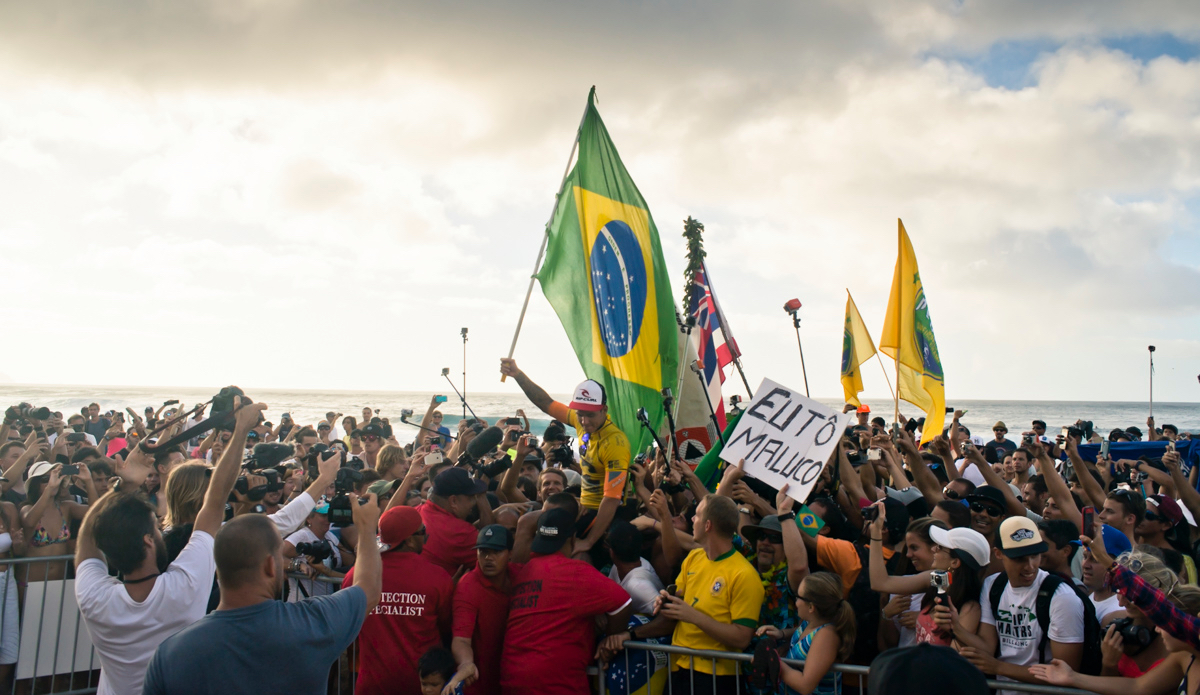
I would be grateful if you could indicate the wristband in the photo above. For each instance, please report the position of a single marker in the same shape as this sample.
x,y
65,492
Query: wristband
x,y
787,517
876,540
745,510
632,635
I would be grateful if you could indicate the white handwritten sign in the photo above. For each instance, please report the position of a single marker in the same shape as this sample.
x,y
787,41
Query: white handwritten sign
x,y
785,437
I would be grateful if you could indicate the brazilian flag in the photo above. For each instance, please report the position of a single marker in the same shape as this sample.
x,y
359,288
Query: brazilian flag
x,y
605,277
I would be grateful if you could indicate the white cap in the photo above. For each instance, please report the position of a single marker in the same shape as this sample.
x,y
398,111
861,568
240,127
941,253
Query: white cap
x,y
589,397
970,543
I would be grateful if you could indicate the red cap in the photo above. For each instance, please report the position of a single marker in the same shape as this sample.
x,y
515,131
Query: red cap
x,y
864,408
589,396
397,524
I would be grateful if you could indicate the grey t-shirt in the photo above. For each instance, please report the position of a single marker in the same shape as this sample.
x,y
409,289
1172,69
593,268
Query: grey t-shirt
x,y
249,643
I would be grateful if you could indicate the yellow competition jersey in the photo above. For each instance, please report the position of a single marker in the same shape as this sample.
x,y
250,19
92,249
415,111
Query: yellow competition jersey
x,y
605,463
727,589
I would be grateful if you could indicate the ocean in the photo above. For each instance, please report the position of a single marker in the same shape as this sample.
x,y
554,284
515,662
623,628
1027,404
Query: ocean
x,y
309,406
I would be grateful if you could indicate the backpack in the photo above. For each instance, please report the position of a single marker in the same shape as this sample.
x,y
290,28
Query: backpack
x,y
1090,664
865,603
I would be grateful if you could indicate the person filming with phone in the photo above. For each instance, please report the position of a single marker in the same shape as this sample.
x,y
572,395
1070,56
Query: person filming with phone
x,y
604,450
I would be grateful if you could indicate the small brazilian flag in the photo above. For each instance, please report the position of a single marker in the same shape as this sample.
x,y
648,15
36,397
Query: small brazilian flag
x,y
809,522
605,277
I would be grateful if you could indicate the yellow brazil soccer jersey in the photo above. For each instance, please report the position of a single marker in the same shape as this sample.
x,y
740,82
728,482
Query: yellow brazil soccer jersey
x,y
605,462
728,590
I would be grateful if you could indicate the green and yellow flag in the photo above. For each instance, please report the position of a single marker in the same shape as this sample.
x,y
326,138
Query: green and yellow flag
x,y
908,339
857,347
605,277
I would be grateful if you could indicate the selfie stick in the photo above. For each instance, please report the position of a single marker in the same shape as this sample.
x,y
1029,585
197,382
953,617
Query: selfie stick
x,y
712,413
464,391
446,373
668,401
404,419
795,312
1151,381
641,417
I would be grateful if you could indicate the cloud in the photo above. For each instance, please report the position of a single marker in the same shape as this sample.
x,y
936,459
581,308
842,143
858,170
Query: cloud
x,y
342,187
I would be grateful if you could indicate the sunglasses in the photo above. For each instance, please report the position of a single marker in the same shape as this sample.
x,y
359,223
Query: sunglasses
x,y
583,447
1151,516
771,537
370,437
980,508
951,494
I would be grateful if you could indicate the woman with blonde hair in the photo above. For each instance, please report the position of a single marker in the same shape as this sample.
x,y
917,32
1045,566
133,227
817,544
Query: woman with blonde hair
x,y
391,462
186,486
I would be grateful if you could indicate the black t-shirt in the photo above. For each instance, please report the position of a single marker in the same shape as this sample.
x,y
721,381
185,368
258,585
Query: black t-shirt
x,y
97,429
991,451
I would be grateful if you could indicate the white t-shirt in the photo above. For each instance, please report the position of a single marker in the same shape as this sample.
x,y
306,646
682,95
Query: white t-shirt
x,y
642,584
126,632
53,437
1106,606
908,636
314,587
1017,625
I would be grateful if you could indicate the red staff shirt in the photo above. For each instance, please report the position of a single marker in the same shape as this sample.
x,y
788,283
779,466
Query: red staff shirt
x,y
480,615
412,615
451,540
551,636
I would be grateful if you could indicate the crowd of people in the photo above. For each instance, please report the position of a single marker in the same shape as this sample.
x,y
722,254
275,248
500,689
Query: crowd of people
x,y
218,551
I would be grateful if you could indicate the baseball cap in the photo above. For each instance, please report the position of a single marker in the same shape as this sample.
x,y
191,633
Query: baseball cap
x,y
381,486
864,408
1000,426
1166,507
372,429
457,481
987,493
324,425
966,544
554,528
1019,537
398,524
922,669
40,468
1116,543
589,397
494,537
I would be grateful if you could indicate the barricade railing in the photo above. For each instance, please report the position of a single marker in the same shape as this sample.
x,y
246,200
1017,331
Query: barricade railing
x,y
657,657
49,650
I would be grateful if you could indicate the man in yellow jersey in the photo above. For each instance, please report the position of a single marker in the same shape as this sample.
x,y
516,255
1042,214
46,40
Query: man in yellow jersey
x,y
716,604
604,449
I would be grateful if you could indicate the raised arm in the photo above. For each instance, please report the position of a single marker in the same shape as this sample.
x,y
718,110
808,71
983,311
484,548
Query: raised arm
x,y
427,419
1057,486
672,550
536,394
1083,471
1015,506
880,580
1187,494
225,474
368,567
793,544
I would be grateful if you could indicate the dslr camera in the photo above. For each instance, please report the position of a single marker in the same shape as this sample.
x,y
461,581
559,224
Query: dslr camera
x,y
25,411
341,514
318,550
1133,636
256,493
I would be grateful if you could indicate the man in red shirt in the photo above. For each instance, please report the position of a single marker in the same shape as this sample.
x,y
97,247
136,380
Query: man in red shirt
x,y
413,612
451,541
551,616
481,612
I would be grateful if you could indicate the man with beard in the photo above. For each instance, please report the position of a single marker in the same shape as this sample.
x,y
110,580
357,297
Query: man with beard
x,y
414,612
130,616
234,648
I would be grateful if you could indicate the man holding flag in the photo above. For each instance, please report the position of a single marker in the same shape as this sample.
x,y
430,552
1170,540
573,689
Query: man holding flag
x,y
908,339
604,449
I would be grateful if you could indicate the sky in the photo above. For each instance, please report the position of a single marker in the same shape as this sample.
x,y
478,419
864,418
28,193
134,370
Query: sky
x,y
303,194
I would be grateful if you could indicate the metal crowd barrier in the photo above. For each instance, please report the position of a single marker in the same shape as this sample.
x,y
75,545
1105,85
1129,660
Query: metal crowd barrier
x,y
654,663
51,650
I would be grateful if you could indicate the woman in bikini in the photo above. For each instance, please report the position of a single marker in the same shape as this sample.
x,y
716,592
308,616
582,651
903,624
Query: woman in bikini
x,y
47,519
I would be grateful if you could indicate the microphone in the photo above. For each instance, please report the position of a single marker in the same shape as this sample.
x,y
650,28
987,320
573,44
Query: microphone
x,y
485,441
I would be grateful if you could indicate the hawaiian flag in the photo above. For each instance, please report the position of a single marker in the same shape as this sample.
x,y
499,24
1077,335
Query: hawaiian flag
x,y
716,347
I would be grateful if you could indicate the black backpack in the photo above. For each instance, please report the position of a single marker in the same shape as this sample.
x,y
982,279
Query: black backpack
x,y
865,603
1090,664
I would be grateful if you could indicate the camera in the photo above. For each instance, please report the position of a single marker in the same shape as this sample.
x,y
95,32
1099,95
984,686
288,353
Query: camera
x,y
492,469
1133,635
870,514
267,455
225,401
940,580
256,493
25,411
317,550
341,514
406,413
561,456
856,458
69,469
77,437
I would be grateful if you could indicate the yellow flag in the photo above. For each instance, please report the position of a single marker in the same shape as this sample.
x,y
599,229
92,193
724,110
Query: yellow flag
x,y
857,347
908,339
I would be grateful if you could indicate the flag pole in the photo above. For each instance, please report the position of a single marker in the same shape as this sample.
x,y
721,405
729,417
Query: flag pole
x,y
737,362
885,376
546,237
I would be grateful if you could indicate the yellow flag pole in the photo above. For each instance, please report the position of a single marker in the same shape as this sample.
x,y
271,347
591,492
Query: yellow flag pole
x,y
889,381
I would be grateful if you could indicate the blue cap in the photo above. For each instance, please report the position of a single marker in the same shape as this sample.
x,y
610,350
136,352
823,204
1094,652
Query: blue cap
x,y
322,508
1116,543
